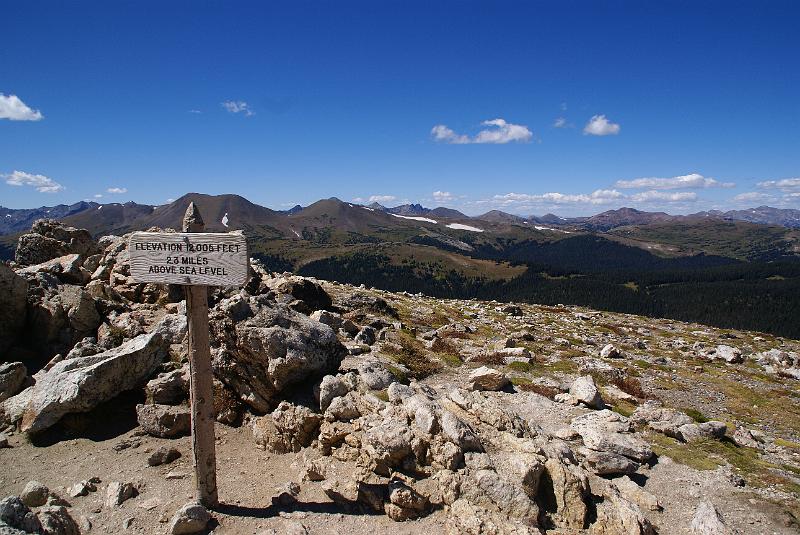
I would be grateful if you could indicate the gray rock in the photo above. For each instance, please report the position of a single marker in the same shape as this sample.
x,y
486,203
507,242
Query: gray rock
x,y
472,519
165,421
375,376
616,515
83,488
191,518
705,430
13,303
56,520
331,319
364,302
388,443
169,388
313,296
618,443
12,378
117,493
34,494
663,420
17,515
585,391
59,314
366,336
272,351
68,269
731,355
487,488
459,433
289,428
80,384
343,408
611,352
332,386
636,494
570,490
604,463
609,432
397,392
485,378
50,239
4,441
163,455
708,521
747,438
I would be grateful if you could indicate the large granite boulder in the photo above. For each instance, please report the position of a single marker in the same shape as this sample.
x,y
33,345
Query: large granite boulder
x,y
50,239
13,299
58,315
82,383
268,348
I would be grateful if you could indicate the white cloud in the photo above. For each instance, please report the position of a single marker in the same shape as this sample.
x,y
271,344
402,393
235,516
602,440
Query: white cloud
x,y
117,190
443,196
375,198
599,125
693,180
787,185
753,196
98,195
42,183
499,132
444,134
197,111
663,196
12,108
238,106
525,201
381,198
601,196
560,123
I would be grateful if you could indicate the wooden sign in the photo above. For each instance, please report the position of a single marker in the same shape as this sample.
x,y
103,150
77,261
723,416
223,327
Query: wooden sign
x,y
189,258
195,260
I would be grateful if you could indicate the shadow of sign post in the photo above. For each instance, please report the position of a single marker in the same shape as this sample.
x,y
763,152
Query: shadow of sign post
x,y
195,260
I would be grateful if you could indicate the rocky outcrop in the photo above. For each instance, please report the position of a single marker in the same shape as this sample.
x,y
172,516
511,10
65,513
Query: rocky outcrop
x,y
58,315
780,363
268,348
67,269
609,432
50,239
12,379
80,384
13,302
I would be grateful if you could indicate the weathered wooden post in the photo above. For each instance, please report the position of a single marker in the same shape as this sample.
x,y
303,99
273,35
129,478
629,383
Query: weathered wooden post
x,y
201,383
195,260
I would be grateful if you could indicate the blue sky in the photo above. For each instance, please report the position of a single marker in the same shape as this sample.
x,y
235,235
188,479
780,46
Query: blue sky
x,y
529,107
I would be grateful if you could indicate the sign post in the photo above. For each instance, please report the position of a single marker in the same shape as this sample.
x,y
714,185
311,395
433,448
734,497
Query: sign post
x,y
196,261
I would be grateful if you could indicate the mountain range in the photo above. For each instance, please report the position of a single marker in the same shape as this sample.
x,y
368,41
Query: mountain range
x,y
711,267
122,215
